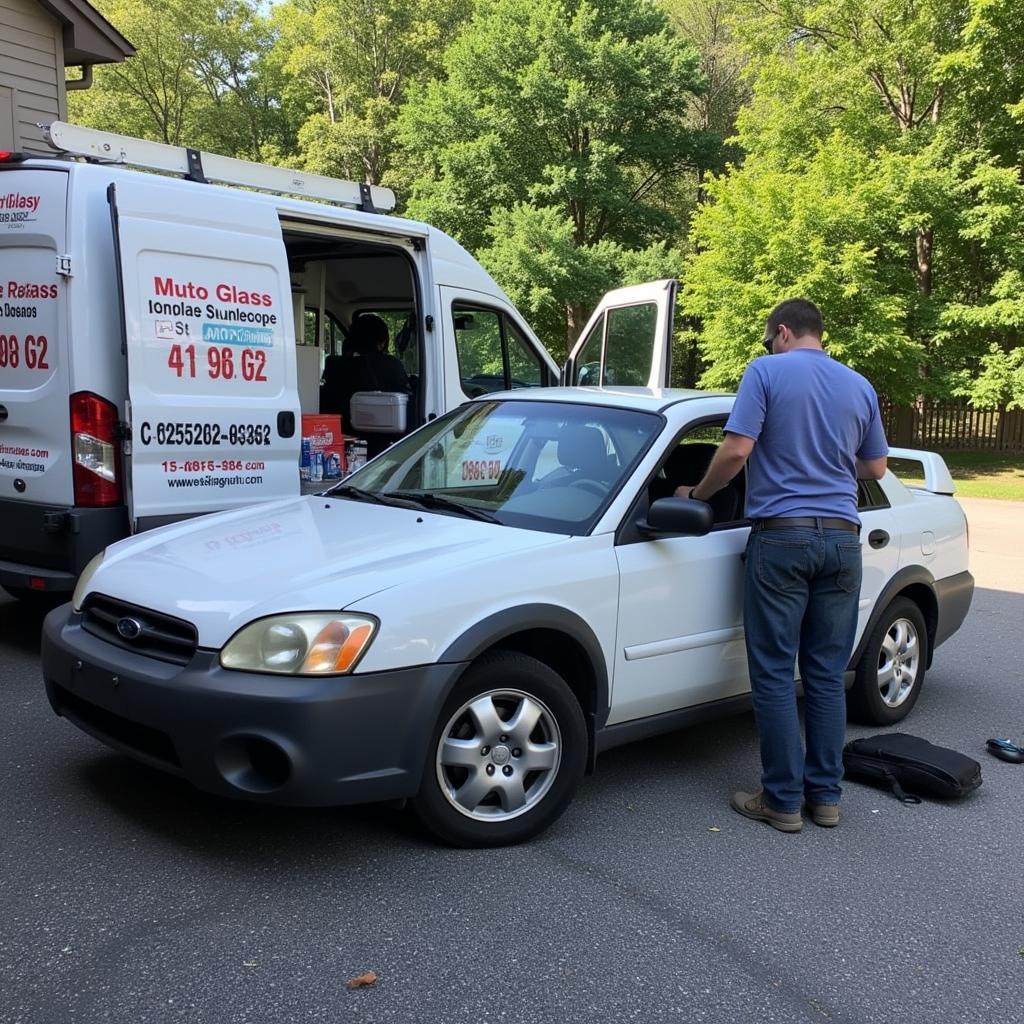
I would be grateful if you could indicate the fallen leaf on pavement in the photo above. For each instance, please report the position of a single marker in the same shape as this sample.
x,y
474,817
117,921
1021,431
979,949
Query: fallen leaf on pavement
x,y
363,981
714,828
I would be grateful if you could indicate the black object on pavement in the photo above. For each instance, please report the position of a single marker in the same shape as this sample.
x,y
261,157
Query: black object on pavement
x,y
897,760
1006,751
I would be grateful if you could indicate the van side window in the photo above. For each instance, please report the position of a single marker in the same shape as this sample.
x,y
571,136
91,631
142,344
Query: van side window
x,y
334,335
493,353
310,327
523,363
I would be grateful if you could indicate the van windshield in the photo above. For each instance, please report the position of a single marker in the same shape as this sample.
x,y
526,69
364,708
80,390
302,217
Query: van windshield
x,y
535,465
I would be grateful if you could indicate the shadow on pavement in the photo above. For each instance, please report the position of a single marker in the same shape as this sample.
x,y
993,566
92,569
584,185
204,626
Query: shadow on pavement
x,y
240,831
21,622
707,760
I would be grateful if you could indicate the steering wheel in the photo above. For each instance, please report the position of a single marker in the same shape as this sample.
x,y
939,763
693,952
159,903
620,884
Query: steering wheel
x,y
590,485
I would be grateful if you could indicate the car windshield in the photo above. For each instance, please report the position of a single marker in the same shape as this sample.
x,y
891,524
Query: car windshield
x,y
548,466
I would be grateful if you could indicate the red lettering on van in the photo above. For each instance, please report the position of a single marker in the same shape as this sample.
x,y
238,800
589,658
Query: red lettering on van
x,y
231,293
188,290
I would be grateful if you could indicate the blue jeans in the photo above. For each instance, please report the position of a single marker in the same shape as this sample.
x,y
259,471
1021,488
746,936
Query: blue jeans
x,y
800,601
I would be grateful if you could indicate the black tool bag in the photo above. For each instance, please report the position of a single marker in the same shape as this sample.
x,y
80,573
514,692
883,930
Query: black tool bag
x,y
902,762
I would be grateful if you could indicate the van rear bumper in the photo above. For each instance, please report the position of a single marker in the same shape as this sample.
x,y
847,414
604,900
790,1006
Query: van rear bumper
x,y
51,544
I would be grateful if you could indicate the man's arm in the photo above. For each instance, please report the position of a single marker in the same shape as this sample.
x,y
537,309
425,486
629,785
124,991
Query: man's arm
x,y
730,458
871,469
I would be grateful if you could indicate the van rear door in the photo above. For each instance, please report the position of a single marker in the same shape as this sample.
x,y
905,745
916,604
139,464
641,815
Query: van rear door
x,y
35,434
210,340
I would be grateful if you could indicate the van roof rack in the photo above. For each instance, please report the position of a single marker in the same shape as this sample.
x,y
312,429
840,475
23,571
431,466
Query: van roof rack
x,y
108,147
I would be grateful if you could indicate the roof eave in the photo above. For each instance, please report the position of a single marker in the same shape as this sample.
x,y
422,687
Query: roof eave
x,y
88,37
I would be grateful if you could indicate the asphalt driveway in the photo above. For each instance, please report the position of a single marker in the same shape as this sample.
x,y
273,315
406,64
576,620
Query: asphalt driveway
x,y
127,896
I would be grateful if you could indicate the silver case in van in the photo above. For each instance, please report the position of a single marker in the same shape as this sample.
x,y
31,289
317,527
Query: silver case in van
x,y
379,412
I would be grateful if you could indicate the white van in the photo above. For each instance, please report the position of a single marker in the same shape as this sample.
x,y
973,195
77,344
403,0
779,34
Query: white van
x,y
161,335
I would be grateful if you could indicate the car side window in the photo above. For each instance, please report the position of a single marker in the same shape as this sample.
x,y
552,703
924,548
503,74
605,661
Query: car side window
x,y
588,364
618,348
627,351
686,464
870,496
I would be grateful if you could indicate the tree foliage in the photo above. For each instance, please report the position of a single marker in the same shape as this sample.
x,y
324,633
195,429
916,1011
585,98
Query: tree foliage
x,y
545,145
349,65
867,153
198,78
909,241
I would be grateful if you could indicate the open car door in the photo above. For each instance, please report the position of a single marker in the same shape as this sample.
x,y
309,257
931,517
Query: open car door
x,y
209,338
627,341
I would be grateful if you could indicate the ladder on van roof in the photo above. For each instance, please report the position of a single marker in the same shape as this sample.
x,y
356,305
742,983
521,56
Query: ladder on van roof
x,y
107,147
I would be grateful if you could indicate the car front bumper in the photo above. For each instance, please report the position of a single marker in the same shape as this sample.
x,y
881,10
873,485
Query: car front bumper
x,y
279,739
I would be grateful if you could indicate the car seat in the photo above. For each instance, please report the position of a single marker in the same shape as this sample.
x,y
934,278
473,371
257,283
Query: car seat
x,y
582,453
685,467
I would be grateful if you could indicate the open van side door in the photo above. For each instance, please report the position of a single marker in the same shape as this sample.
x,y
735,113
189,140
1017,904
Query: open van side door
x,y
209,338
627,341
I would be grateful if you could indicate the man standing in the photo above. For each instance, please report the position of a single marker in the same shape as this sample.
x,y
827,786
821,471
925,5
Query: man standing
x,y
810,428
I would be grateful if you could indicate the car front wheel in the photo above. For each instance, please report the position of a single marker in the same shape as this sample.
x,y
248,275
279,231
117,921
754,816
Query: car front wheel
x,y
890,673
507,754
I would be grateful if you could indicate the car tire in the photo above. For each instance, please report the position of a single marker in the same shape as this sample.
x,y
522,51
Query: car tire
x,y
505,756
891,671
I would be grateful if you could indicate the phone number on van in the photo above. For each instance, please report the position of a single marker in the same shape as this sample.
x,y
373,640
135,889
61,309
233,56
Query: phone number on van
x,y
208,435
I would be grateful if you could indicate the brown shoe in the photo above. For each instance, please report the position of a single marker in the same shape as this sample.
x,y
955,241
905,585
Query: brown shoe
x,y
825,815
752,805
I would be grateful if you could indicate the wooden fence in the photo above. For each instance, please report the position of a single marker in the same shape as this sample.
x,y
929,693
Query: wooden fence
x,y
953,425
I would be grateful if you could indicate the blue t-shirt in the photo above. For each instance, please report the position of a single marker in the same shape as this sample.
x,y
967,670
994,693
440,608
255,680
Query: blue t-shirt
x,y
812,418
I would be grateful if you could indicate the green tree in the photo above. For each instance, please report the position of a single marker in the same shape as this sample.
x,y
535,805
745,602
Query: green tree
x,y
709,27
546,145
349,65
197,77
872,68
830,231
156,93
921,100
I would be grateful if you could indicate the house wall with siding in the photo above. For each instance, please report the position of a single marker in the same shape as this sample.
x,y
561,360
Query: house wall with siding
x,y
31,74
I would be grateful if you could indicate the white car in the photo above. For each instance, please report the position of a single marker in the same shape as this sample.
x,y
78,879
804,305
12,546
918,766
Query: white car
x,y
468,621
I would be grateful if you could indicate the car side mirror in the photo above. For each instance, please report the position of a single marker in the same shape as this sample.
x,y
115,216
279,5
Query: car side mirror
x,y
680,516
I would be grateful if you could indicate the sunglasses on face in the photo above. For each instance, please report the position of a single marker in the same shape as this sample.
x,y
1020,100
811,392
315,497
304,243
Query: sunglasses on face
x,y
769,342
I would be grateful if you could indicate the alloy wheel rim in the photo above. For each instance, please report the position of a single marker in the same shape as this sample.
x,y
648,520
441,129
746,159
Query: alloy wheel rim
x,y
899,662
498,755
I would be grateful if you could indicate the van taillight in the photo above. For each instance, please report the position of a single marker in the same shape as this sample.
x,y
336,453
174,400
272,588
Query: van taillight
x,y
94,445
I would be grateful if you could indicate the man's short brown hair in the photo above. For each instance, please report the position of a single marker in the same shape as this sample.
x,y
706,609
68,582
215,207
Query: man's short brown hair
x,y
801,316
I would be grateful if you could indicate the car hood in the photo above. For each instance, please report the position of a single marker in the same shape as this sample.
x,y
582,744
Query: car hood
x,y
222,571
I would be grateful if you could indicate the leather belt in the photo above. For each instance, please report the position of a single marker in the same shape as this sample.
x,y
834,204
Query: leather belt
x,y
788,521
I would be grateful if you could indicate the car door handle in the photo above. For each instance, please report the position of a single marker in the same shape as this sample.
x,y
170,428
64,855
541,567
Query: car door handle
x,y
878,538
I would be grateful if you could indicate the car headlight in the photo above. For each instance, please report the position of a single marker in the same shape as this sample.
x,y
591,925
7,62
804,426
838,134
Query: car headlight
x,y
302,644
84,580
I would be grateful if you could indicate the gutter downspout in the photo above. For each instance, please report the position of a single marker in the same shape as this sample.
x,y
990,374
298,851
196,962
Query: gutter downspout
x,y
73,84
